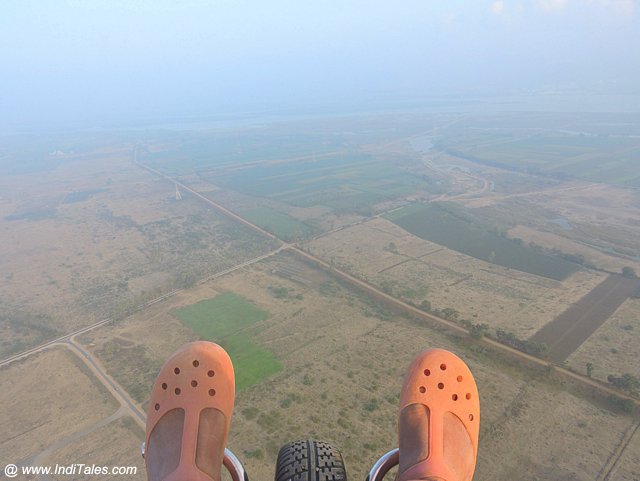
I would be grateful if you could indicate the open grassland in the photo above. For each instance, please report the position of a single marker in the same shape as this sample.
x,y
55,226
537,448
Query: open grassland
x,y
45,399
98,448
421,271
113,237
446,227
225,319
628,468
613,348
343,368
342,354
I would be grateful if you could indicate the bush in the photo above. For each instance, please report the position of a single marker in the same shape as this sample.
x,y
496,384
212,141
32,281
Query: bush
x,y
626,382
618,404
534,348
371,405
478,331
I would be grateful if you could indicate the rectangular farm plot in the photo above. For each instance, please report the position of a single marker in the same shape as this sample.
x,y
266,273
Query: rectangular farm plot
x,y
226,319
350,183
442,226
278,223
417,270
613,347
574,326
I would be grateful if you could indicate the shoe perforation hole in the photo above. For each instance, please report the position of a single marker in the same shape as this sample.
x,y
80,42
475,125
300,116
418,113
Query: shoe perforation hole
x,y
423,389
176,370
470,417
443,367
164,386
212,392
177,391
157,407
196,363
211,373
468,396
454,397
194,383
440,385
459,378
427,372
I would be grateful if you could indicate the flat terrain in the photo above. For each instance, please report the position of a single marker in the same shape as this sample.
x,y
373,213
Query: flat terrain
x,y
95,236
629,466
46,399
98,448
552,145
226,320
613,348
451,229
574,326
330,357
505,240
418,270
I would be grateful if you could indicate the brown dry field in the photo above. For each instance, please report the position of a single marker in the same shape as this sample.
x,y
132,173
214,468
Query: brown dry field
x,y
613,348
92,258
116,444
46,398
481,292
629,467
569,330
343,356
353,363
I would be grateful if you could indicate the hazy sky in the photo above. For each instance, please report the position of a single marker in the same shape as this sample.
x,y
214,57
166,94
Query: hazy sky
x,y
92,59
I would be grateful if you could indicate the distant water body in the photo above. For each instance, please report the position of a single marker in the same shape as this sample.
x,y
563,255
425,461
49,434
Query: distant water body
x,y
539,102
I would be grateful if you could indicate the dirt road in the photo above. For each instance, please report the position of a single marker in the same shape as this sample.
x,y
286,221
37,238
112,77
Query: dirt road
x,y
395,302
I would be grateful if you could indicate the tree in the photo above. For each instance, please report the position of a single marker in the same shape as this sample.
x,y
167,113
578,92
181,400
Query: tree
x,y
589,369
425,306
478,331
626,382
450,313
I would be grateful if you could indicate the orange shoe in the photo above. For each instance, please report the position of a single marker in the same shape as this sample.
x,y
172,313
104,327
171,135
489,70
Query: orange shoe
x,y
190,414
440,381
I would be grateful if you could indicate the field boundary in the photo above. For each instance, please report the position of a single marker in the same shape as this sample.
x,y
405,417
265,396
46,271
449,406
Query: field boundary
x,y
573,327
403,306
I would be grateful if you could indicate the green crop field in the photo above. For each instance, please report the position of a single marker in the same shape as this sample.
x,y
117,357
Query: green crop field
x,y
595,158
226,319
278,223
191,152
346,183
437,224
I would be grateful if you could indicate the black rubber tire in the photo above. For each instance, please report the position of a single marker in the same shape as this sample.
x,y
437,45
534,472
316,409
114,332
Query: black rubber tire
x,y
310,460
